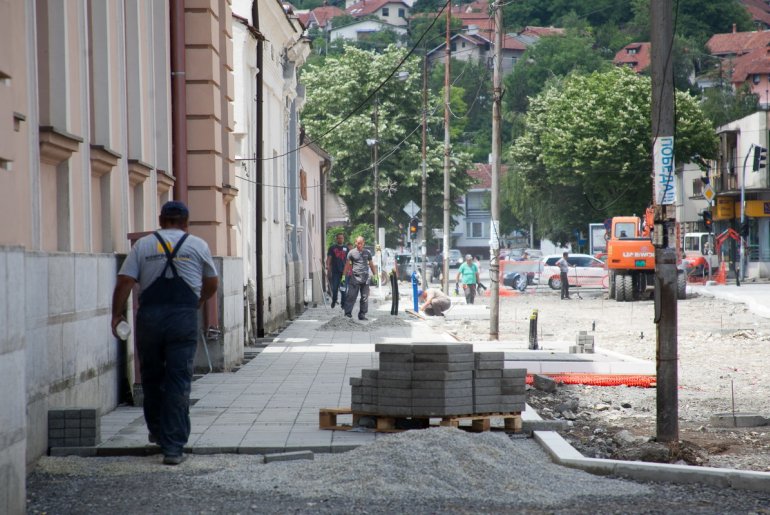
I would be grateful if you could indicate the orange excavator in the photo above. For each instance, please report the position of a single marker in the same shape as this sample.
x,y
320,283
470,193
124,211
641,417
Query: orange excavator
x,y
631,258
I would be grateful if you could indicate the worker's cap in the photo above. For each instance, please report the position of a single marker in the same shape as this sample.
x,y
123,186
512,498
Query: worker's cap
x,y
468,256
174,209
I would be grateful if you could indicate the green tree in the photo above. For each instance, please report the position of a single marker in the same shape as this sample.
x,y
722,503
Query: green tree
x,y
697,20
551,57
722,105
586,152
334,89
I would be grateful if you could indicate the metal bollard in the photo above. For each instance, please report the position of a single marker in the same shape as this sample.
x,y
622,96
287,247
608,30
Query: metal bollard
x,y
533,330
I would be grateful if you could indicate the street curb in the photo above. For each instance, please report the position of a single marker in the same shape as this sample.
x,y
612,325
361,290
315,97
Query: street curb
x,y
562,453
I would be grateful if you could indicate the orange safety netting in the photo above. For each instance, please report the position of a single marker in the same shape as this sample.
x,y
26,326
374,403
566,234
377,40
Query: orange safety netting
x,y
641,381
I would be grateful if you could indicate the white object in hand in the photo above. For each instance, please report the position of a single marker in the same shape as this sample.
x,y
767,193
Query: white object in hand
x,y
123,330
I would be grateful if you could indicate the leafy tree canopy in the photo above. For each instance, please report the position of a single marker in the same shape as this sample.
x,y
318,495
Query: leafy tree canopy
x,y
586,152
552,56
722,105
342,82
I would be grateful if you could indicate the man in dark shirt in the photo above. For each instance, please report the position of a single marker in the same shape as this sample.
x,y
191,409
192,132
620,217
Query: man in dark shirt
x,y
336,258
357,268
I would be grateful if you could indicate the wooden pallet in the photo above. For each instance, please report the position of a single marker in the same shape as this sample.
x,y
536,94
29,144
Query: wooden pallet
x,y
327,419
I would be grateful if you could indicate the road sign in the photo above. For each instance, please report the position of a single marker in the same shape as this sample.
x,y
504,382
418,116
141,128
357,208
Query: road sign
x,y
411,208
709,193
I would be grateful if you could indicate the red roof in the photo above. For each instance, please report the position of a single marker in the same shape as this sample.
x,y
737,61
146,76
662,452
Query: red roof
x,y
634,55
755,62
482,172
737,43
325,13
304,18
759,13
540,32
366,7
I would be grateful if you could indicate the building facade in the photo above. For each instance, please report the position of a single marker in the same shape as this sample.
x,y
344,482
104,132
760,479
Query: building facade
x,y
98,128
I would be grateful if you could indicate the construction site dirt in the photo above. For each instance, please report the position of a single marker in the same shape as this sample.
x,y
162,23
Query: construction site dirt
x,y
723,351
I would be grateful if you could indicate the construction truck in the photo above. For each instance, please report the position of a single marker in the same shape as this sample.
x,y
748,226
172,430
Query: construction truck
x,y
631,259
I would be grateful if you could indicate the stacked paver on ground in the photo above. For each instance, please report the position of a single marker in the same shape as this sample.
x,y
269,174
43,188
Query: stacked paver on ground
x,y
438,380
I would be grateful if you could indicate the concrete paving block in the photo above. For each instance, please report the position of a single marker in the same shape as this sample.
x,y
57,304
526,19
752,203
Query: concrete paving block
x,y
393,348
489,356
444,385
490,365
89,422
487,408
441,375
487,383
70,414
544,383
442,348
487,374
447,367
359,398
396,358
396,367
446,411
370,382
56,423
513,381
71,432
355,381
513,399
487,390
394,383
369,373
55,433
514,372
71,423
487,398
438,393
71,442
289,456
444,358
399,393
395,374
356,406
436,403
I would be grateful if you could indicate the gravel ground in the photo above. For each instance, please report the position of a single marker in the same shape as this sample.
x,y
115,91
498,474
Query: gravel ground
x,y
723,348
343,323
440,470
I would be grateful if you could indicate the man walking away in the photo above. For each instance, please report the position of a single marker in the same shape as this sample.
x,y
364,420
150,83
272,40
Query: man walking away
x,y
563,265
358,266
335,265
435,302
176,275
468,274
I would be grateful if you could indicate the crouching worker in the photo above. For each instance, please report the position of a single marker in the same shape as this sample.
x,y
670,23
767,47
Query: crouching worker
x,y
435,302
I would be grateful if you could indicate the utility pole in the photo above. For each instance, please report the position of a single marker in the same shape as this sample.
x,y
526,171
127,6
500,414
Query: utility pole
x,y
664,234
448,54
424,206
494,229
376,172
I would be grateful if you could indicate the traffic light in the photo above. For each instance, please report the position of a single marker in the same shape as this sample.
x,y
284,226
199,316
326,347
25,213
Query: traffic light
x,y
707,219
414,224
760,158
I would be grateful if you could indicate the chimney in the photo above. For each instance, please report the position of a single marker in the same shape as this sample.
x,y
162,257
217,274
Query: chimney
x,y
735,28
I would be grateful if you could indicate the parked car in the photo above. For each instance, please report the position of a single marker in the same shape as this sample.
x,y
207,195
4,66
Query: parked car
x,y
584,270
516,280
455,258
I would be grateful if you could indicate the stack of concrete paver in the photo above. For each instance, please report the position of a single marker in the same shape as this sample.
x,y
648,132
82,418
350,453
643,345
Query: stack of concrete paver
x,y
583,344
73,427
438,380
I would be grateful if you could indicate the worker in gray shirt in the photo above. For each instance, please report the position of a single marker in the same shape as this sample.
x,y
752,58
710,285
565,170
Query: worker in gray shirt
x,y
357,267
176,274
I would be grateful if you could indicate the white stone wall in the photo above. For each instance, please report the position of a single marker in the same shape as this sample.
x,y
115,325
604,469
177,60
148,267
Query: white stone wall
x,y
71,355
13,424
226,352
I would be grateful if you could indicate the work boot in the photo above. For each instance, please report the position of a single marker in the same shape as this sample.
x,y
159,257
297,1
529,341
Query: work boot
x,y
334,303
173,460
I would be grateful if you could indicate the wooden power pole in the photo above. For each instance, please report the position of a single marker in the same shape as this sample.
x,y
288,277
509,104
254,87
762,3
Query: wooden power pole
x,y
494,229
447,191
664,234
